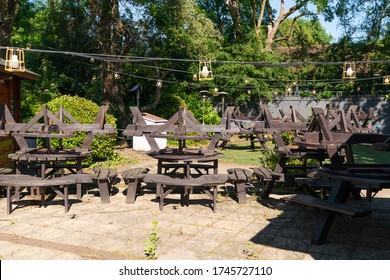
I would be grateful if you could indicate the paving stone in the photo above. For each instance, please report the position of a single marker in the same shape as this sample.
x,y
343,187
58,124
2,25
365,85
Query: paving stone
x,y
271,229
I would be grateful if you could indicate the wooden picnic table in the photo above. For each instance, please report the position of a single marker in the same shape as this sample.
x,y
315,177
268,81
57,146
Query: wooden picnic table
x,y
186,157
46,162
48,126
187,160
342,183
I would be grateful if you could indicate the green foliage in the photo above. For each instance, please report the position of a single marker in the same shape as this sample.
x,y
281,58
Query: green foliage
x,y
288,137
269,159
85,111
151,244
306,33
185,31
195,106
119,160
33,95
169,104
326,94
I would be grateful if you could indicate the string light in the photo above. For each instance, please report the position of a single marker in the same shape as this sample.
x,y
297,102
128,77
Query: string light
x,y
131,59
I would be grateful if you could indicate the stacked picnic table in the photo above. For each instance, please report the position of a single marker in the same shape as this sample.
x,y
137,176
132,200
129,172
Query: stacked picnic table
x,y
183,168
328,140
39,168
330,137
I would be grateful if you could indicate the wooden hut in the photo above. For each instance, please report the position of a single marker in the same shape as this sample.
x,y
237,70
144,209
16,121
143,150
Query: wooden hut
x,y
10,96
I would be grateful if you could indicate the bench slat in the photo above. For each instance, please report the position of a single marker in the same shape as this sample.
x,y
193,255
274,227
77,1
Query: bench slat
x,y
134,173
325,205
266,173
180,180
314,183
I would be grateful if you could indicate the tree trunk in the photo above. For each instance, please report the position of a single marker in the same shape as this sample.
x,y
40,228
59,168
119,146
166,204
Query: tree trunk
x,y
112,95
105,14
8,11
234,9
274,25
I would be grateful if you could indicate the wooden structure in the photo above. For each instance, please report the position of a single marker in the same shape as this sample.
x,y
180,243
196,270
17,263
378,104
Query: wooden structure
x,y
46,161
331,131
183,168
343,182
329,135
60,125
265,124
181,126
10,97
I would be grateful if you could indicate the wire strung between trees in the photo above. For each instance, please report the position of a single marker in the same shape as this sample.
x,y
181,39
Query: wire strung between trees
x,y
135,59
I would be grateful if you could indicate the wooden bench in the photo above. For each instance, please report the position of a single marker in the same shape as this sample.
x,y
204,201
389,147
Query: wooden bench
x,y
15,183
133,178
104,178
200,168
267,179
266,174
207,183
239,177
312,184
323,204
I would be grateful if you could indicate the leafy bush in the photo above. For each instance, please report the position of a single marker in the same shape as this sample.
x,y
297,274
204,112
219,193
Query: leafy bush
x,y
269,159
288,137
85,111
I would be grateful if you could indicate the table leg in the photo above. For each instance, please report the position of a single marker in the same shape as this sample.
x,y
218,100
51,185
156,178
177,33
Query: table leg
x,y
42,192
187,190
66,199
339,193
158,185
9,200
215,163
267,189
78,185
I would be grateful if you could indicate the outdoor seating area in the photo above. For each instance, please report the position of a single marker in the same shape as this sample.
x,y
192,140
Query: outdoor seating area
x,y
328,140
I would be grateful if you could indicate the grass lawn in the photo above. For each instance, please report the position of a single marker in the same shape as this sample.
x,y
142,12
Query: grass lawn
x,y
238,151
366,154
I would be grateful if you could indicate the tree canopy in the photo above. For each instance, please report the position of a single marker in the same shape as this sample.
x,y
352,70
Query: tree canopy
x,y
115,51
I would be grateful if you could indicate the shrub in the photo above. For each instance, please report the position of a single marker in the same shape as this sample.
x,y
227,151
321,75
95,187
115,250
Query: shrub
x,y
85,111
269,159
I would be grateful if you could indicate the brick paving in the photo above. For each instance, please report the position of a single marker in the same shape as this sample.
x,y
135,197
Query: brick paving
x,y
269,230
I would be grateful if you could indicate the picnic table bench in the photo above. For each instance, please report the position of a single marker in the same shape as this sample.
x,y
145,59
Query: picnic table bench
x,y
199,167
15,183
342,183
267,178
207,183
239,177
104,178
319,203
133,178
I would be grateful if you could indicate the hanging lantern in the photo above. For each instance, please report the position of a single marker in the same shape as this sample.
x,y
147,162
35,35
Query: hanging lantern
x,y
349,70
386,80
205,72
14,60
159,83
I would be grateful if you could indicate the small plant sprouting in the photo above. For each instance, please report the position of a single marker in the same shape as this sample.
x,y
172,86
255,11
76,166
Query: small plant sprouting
x,y
151,243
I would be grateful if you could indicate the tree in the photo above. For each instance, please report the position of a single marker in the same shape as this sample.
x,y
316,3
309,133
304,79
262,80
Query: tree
x,y
8,11
177,30
265,18
115,36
